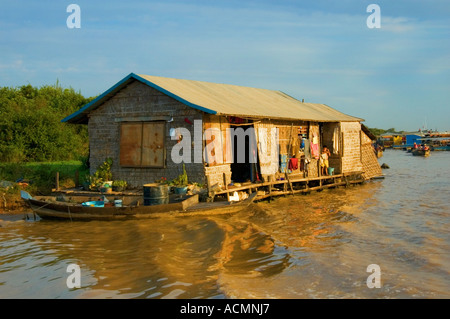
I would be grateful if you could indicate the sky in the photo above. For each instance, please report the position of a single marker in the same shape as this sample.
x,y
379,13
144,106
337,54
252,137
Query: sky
x,y
396,76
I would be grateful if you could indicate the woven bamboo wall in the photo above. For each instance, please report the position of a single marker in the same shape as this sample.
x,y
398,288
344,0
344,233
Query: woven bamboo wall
x,y
351,148
371,167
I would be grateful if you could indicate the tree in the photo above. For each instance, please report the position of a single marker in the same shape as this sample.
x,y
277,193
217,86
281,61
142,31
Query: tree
x,y
31,128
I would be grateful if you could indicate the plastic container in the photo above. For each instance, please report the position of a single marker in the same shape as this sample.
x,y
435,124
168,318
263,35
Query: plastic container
x,y
118,203
330,170
94,204
180,190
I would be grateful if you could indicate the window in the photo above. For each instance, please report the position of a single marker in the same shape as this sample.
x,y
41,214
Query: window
x,y
142,144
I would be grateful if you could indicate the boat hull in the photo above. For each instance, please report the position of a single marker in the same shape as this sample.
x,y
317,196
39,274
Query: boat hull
x,y
421,153
189,207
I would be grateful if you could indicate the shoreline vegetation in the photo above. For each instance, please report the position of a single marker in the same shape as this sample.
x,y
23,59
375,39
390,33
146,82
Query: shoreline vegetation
x,y
34,144
37,178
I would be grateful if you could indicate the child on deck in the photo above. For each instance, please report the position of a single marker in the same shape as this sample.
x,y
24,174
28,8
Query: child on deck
x,y
324,160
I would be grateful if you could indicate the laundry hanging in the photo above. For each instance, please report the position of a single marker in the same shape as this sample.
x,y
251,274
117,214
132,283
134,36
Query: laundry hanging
x,y
293,163
336,140
315,147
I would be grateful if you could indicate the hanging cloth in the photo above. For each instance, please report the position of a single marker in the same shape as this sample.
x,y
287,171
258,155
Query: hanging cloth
x,y
315,146
315,150
293,164
336,140
307,148
315,139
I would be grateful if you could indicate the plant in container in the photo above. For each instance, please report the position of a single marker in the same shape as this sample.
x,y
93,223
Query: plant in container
x,y
119,186
102,178
162,180
181,182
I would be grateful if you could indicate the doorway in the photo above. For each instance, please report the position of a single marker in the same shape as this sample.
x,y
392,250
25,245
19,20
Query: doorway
x,y
245,156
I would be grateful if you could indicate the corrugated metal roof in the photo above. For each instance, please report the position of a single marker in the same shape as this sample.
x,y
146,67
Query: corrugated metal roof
x,y
226,99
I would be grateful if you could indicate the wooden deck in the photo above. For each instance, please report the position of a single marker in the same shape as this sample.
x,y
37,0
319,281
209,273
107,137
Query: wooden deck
x,y
293,185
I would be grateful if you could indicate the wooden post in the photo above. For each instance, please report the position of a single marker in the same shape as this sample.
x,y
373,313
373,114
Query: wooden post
x,y
270,185
208,184
269,179
225,185
57,181
287,166
319,169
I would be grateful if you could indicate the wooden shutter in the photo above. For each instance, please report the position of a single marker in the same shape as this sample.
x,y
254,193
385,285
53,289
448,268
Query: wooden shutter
x,y
153,150
142,144
130,144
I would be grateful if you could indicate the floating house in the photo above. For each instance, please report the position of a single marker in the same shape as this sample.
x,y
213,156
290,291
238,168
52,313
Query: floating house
x,y
151,125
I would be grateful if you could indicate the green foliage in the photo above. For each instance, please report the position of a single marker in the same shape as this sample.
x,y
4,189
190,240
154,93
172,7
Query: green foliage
x,y
104,170
181,180
95,182
102,174
378,131
162,180
31,128
42,176
120,183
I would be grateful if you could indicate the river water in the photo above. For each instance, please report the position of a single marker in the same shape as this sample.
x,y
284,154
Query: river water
x,y
306,246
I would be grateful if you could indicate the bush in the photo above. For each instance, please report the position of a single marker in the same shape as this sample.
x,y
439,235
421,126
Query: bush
x,y
41,177
31,128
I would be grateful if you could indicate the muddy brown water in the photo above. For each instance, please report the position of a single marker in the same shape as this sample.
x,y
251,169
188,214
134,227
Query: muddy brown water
x,y
305,246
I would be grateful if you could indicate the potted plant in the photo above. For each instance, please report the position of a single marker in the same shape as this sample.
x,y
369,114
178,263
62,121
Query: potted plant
x,y
95,182
181,182
119,186
102,178
104,172
162,180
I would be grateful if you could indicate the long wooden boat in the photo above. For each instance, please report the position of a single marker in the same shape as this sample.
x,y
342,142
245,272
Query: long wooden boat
x,y
46,208
418,152
442,148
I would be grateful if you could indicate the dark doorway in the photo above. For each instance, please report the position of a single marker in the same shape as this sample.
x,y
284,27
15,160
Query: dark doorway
x,y
245,157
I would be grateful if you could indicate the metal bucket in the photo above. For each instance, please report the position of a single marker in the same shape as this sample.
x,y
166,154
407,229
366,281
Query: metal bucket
x,y
156,194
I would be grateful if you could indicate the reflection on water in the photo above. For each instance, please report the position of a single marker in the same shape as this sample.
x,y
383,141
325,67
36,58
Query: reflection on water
x,y
306,246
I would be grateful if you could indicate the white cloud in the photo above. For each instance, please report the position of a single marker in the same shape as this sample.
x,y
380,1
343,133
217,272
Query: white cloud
x,y
398,24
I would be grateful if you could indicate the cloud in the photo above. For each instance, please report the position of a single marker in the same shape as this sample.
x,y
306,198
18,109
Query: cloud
x,y
398,24
14,65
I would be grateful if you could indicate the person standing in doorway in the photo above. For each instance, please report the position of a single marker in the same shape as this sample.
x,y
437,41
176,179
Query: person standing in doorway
x,y
324,164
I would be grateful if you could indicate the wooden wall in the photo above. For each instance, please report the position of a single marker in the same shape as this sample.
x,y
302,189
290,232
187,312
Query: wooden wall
x,y
222,151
